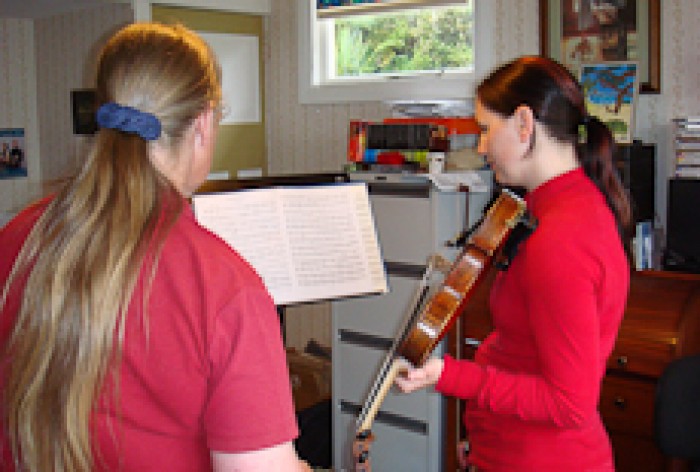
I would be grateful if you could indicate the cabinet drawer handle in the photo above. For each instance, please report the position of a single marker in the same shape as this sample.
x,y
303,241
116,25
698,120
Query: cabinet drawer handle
x,y
620,403
622,361
472,342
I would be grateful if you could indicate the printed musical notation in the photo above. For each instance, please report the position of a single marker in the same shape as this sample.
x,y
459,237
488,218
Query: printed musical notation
x,y
307,243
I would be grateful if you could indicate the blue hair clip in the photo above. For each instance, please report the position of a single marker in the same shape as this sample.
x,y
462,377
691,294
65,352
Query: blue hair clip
x,y
129,120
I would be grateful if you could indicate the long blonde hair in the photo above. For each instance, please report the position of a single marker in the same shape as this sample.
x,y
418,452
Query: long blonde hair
x,y
83,258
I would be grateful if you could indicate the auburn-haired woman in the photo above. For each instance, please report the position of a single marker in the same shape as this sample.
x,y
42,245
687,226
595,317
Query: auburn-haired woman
x,y
532,390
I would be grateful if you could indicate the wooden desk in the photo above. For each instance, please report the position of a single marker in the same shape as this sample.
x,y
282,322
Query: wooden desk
x,y
661,323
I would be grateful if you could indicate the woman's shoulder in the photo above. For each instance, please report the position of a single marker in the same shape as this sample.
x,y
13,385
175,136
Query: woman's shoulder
x,y
579,232
192,244
21,224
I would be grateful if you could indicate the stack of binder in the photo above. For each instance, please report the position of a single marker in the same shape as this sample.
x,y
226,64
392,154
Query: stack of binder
x,y
687,147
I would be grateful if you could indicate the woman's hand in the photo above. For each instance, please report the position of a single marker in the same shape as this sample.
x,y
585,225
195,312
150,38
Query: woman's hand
x,y
413,378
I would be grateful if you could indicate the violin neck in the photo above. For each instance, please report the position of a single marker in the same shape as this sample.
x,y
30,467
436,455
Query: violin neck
x,y
377,394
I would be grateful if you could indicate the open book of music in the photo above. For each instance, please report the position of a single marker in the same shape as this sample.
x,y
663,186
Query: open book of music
x,y
307,243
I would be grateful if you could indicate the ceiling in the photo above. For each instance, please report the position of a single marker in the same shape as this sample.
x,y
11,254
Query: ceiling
x,y
42,8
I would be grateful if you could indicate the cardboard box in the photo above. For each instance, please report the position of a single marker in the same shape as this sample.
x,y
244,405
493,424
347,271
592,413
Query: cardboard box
x,y
311,378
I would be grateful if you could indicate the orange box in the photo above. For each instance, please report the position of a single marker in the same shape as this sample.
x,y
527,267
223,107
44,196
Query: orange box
x,y
357,140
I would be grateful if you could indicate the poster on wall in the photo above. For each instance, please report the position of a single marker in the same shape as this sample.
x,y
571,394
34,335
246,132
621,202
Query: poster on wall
x,y
610,92
13,162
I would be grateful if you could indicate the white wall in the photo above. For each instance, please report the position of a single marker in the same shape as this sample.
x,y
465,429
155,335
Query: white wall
x,y
42,61
18,107
66,48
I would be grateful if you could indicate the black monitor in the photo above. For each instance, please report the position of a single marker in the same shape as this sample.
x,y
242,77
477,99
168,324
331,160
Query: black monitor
x,y
683,226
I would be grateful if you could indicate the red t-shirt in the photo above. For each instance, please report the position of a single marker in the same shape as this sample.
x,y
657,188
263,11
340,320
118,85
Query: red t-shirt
x,y
211,372
533,390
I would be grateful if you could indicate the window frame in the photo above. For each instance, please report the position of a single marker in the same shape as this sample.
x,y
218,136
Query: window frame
x,y
426,86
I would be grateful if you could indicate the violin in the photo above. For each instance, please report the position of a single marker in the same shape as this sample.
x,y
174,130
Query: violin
x,y
426,328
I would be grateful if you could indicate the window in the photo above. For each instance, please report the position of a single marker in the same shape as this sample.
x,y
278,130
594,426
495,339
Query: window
x,y
390,50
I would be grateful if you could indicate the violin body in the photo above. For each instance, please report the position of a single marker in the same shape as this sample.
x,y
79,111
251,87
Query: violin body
x,y
464,276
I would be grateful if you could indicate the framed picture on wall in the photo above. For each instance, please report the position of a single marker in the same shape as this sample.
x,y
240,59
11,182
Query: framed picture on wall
x,y
83,104
610,92
578,31
13,161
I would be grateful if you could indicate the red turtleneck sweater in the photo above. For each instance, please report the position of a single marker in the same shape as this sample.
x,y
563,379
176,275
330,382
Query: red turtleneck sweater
x,y
532,391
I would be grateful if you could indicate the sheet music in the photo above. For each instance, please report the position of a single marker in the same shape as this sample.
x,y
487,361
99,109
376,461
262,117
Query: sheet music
x,y
451,181
307,243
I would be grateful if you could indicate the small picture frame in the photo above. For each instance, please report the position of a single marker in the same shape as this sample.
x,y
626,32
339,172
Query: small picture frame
x,y
13,159
83,104
610,92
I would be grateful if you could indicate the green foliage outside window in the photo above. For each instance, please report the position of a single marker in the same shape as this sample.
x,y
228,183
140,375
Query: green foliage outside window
x,y
435,39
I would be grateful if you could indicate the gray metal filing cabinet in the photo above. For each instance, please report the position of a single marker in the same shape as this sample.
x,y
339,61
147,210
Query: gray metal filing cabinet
x,y
414,220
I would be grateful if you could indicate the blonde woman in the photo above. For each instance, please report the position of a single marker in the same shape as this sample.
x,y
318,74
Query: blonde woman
x,y
131,338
